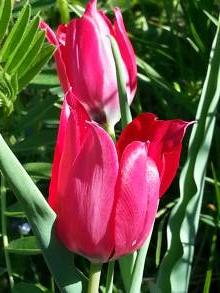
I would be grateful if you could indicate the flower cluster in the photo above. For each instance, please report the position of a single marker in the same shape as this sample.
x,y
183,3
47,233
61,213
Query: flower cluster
x,y
105,194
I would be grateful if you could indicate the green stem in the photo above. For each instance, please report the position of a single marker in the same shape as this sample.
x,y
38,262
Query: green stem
x,y
110,277
111,131
64,10
4,232
139,266
94,277
123,100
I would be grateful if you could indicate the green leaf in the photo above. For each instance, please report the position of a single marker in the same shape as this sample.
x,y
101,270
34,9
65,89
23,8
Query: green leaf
x,y
209,272
15,35
5,15
36,5
41,218
15,210
8,87
38,170
37,112
175,270
31,53
19,54
126,264
36,142
212,18
123,99
24,246
209,220
46,79
44,55
29,288
137,275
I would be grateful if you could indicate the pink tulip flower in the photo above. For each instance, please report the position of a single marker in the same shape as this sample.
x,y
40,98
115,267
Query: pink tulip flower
x,y
85,62
106,195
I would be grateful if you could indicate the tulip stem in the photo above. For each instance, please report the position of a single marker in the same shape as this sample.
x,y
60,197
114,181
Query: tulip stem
x,y
94,277
110,276
4,231
123,99
64,10
111,131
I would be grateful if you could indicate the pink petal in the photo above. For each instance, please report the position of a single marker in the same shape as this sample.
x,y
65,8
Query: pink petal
x,y
127,53
137,197
70,137
165,143
90,66
61,69
64,116
61,34
84,222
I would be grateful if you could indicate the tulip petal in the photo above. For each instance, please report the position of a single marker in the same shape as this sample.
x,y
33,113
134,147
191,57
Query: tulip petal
x,y
65,112
165,143
84,220
70,137
137,197
61,34
90,65
127,53
61,69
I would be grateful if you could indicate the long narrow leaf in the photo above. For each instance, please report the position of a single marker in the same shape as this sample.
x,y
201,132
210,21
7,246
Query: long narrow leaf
x,y
16,33
21,51
42,58
175,270
41,216
5,14
32,52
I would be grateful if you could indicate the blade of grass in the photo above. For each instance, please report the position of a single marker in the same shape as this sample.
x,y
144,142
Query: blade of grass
x,y
175,270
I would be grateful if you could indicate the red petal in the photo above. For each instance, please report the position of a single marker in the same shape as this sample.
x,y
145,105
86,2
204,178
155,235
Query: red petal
x,y
61,34
137,194
127,53
52,38
86,203
64,116
69,139
90,66
165,143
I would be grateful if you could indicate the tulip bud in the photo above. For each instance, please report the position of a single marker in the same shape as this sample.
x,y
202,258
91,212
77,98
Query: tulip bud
x,y
85,62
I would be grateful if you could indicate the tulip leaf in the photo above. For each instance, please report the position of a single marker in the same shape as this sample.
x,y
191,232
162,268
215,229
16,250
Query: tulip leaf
x,y
24,246
5,14
41,218
175,270
123,99
138,270
126,264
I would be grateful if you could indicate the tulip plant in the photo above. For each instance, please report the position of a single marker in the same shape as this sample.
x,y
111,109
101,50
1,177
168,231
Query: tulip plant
x,y
105,187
